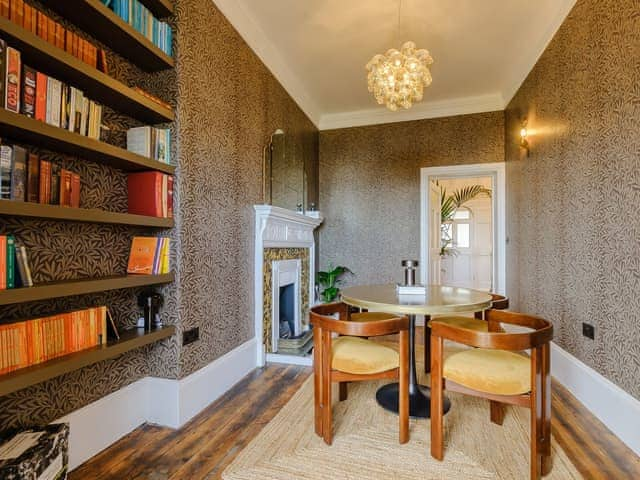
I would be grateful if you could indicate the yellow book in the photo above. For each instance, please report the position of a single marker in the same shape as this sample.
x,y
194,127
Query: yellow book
x,y
165,256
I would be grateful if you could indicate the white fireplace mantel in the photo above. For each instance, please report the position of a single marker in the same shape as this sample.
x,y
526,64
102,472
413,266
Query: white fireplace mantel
x,y
277,227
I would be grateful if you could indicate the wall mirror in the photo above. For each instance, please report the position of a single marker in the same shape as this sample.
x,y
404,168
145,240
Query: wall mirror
x,y
283,173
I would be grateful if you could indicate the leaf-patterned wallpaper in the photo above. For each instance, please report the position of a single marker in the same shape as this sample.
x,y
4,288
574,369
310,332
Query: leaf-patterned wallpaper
x,y
227,105
573,223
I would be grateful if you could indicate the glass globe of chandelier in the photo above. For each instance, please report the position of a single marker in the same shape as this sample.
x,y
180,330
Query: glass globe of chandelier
x,y
398,78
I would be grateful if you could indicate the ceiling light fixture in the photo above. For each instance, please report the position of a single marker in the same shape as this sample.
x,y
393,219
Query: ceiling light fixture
x,y
398,78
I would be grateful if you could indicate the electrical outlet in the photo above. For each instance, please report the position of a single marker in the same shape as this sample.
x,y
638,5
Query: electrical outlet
x,y
588,331
190,336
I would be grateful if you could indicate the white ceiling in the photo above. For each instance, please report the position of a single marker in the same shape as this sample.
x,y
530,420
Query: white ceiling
x,y
483,50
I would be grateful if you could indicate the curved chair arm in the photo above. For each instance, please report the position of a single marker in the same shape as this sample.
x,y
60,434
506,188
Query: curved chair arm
x,y
542,332
355,329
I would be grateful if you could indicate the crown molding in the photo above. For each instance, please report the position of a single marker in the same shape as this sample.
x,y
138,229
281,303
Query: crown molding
x,y
420,111
530,56
258,41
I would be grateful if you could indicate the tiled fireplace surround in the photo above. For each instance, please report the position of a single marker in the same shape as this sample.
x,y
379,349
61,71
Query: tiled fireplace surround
x,y
281,234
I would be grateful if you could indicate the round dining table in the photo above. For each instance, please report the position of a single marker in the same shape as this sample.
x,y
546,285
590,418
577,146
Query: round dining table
x,y
437,300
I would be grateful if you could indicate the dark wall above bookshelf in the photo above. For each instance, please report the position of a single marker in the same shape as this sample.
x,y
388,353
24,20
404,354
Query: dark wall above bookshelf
x,y
54,61
35,132
25,377
100,22
55,212
67,288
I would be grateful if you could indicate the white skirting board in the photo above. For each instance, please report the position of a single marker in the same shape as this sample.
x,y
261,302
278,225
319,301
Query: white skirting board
x,y
165,402
614,407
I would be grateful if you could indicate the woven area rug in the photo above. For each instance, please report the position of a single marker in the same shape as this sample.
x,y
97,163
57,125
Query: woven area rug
x,y
365,444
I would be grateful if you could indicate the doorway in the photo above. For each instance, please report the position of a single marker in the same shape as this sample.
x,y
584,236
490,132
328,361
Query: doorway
x,y
463,239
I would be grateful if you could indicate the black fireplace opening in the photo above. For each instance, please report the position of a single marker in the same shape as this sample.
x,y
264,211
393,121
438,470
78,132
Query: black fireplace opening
x,y
287,311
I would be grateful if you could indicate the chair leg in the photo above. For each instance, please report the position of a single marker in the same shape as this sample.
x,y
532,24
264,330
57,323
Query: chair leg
x,y
497,412
317,380
403,390
327,432
437,413
546,410
343,391
427,344
536,415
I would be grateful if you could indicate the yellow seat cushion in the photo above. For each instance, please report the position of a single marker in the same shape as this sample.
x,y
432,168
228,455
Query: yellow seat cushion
x,y
469,323
371,316
491,371
361,356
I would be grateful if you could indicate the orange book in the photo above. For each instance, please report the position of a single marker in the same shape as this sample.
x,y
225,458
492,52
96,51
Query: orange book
x,y
34,20
60,36
142,256
103,325
51,30
5,9
42,25
26,22
16,12
13,344
68,41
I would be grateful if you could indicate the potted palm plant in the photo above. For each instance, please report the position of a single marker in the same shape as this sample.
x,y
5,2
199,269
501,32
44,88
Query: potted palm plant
x,y
448,206
328,282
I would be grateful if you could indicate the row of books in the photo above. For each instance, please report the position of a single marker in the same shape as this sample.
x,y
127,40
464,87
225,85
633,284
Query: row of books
x,y
15,271
40,24
45,98
149,256
31,342
25,177
139,17
151,194
150,142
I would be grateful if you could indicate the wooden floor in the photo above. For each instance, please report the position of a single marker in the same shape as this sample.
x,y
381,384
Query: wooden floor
x,y
204,447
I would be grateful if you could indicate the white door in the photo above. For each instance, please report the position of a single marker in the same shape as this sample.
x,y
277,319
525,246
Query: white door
x,y
434,234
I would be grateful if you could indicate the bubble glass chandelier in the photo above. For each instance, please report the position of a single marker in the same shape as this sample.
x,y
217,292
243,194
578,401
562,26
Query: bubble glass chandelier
x,y
398,78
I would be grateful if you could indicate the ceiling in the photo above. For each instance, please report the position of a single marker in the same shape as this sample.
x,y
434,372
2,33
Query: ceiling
x,y
482,50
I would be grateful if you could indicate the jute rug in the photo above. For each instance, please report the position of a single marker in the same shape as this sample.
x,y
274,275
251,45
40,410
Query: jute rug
x,y
365,444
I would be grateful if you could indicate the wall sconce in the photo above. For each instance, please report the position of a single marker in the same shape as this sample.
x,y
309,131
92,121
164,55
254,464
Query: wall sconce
x,y
524,143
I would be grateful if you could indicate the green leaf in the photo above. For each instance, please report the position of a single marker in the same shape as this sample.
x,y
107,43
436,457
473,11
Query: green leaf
x,y
330,294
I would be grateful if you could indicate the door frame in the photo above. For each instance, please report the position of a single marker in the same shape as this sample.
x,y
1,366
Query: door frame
x,y
497,172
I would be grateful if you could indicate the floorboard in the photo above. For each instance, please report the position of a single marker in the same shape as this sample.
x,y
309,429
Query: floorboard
x,y
208,443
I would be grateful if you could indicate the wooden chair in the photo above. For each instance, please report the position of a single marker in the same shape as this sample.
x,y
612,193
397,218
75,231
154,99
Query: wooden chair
x,y
477,323
350,358
494,371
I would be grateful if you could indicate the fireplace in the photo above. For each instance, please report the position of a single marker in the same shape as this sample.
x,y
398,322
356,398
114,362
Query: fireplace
x,y
286,302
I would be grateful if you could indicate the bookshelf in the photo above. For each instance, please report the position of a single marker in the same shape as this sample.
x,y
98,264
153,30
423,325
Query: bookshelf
x,y
160,8
129,340
96,85
82,286
29,130
93,17
84,215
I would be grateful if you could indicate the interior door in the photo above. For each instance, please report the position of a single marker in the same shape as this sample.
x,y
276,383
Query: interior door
x,y
434,233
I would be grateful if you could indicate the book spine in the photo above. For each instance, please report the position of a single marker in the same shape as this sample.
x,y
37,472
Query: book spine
x,y
45,181
27,268
165,196
54,99
28,104
54,196
75,190
5,9
65,187
10,262
170,196
3,68
157,257
3,262
13,83
6,154
18,174
27,20
21,277
51,31
41,96
42,25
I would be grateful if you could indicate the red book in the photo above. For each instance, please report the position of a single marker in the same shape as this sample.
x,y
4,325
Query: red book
x,y
170,196
51,31
12,98
16,12
34,19
43,32
145,193
5,8
68,41
26,22
45,182
28,103
75,190
41,96
65,187
59,36
33,178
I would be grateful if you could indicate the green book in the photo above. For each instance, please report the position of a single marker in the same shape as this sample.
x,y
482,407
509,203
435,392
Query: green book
x,y
11,261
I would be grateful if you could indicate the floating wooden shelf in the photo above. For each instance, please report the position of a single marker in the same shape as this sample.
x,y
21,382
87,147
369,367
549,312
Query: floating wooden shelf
x,y
159,8
96,85
66,288
37,210
129,340
102,23
35,132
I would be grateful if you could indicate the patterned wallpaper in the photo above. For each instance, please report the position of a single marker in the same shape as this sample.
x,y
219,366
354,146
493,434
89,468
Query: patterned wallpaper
x,y
573,223
227,104
370,186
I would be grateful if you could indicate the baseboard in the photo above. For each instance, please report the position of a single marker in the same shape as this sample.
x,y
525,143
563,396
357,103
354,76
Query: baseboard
x,y
614,407
306,361
162,401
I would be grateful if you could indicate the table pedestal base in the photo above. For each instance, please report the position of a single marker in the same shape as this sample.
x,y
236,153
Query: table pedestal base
x,y
419,400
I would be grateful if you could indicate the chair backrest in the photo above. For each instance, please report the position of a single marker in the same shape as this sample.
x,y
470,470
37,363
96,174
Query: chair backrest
x,y
320,318
498,302
542,332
